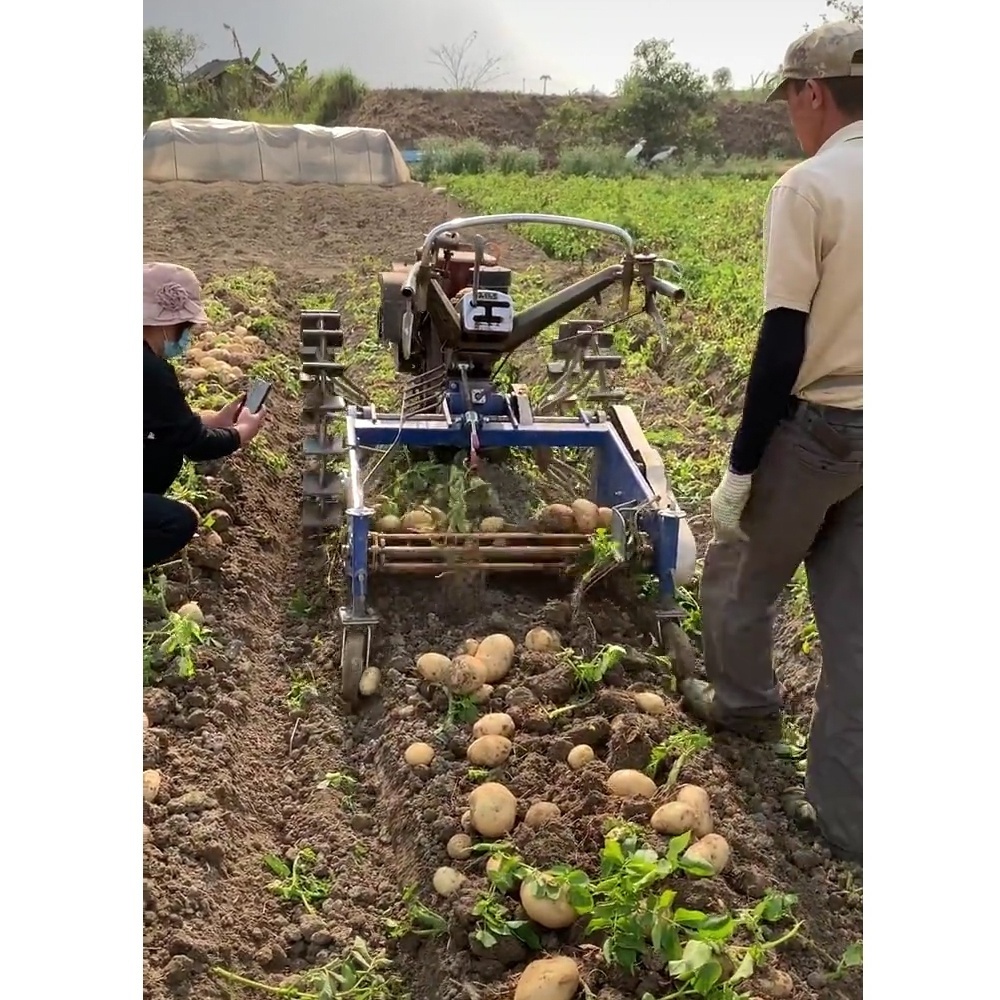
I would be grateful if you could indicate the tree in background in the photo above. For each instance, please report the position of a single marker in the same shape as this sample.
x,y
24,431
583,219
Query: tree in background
x,y
166,57
462,70
852,12
666,101
722,79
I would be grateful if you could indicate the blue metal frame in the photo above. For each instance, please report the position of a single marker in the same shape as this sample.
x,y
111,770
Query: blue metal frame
x,y
618,480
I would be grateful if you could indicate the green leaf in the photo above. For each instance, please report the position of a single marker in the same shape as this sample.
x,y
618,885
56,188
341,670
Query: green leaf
x,y
485,938
700,868
694,956
278,866
744,970
613,853
677,846
853,956
666,899
717,927
690,918
707,976
580,898
667,941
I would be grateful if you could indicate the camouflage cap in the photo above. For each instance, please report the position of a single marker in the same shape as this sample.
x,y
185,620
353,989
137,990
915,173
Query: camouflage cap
x,y
831,50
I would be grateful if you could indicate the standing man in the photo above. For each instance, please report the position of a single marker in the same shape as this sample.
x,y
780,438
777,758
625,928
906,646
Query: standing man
x,y
793,488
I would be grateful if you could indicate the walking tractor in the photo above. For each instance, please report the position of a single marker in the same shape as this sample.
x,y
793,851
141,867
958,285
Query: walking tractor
x,y
452,324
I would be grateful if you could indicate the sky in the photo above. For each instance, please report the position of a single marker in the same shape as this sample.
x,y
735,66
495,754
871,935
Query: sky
x,y
580,44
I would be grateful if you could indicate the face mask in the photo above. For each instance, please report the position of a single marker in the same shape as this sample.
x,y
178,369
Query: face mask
x,y
175,348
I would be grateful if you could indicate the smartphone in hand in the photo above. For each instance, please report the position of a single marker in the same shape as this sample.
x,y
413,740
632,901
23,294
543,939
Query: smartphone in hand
x,y
256,395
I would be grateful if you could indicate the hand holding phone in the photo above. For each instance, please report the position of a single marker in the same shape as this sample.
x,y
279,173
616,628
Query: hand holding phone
x,y
256,395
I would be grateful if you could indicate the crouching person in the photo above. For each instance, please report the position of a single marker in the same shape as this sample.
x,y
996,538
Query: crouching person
x,y
172,431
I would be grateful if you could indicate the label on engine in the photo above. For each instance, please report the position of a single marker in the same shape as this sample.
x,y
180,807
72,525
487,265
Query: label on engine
x,y
492,312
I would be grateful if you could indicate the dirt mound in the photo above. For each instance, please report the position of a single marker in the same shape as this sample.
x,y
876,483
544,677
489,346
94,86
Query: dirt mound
x,y
283,828
496,118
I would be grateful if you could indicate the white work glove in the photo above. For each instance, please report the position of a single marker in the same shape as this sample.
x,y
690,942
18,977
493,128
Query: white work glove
x,y
728,501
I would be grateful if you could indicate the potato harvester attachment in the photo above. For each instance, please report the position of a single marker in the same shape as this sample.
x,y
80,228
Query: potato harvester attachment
x,y
450,320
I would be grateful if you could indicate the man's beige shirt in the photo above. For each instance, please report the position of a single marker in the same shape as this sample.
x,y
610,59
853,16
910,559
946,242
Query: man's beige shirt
x,y
813,263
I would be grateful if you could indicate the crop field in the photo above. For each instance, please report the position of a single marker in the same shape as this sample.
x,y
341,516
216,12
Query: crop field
x,y
434,844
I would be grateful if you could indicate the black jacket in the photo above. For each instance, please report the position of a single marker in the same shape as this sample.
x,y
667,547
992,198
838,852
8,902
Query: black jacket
x,y
171,430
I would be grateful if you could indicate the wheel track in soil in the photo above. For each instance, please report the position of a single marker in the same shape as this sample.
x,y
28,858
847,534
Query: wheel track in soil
x,y
260,762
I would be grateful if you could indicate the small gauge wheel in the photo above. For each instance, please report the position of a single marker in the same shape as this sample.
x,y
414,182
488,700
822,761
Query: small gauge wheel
x,y
352,664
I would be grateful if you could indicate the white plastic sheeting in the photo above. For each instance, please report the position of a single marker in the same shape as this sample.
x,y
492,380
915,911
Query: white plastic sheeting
x,y
216,149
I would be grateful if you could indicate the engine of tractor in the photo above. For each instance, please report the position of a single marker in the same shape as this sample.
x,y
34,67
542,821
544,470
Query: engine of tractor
x,y
481,301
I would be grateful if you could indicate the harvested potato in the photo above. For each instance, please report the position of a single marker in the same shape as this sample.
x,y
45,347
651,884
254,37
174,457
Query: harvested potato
x,y
496,653
493,809
420,521
151,781
580,756
694,795
773,983
585,514
491,525
674,818
371,677
419,754
711,849
439,517
703,824
434,667
541,813
555,978
389,525
631,784
556,518
447,881
553,912
192,613
605,517
542,640
489,751
469,646
466,821
650,703
482,695
466,674
494,724
459,847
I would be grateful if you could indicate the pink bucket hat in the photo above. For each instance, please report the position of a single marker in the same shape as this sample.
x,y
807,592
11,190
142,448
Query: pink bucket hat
x,y
171,294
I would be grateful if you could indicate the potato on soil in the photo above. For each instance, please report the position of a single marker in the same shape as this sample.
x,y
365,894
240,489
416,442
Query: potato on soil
x,y
421,521
419,754
493,809
580,756
434,667
192,613
496,653
459,847
605,517
482,695
585,514
695,796
555,978
466,674
151,781
773,983
552,912
371,677
489,751
447,881
541,640
650,703
631,784
556,518
674,818
491,525
541,813
389,525
494,724
712,849
469,647
465,822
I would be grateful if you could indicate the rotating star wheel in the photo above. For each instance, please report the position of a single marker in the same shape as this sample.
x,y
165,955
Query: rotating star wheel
x,y
355,645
